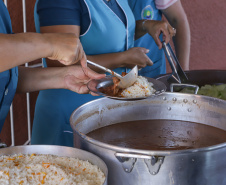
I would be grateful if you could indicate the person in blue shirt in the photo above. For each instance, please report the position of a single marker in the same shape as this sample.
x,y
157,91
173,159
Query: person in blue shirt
x,y
17,49
146,11
106,29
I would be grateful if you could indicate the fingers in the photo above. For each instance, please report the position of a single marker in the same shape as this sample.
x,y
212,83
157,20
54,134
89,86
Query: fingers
x,y
172,31
93,75
89,72
156,29
168,35
146,58
162,27
81,88
138,56
93,94
78,87
149,62
157,39
144,50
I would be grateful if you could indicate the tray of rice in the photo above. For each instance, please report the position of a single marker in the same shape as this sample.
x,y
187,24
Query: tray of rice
x,y
50,165
144,87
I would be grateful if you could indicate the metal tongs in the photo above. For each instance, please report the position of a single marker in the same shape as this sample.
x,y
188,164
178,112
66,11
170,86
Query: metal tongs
x,y
125,81
178,75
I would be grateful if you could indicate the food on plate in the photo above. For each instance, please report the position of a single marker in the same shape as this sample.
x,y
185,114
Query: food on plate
x,y
48,169
217,91
141,88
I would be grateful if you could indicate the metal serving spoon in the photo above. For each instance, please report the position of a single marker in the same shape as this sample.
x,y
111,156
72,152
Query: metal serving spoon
x,y
125,81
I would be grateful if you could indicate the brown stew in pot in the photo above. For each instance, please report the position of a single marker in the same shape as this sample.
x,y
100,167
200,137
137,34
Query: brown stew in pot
x,y
159,135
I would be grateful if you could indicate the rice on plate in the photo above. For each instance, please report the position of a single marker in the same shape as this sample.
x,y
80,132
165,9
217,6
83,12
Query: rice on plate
x,y
141,88
48,169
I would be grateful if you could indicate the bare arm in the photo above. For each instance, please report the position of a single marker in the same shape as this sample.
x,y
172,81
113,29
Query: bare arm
x,y
70,77
17,49
177,18
130,58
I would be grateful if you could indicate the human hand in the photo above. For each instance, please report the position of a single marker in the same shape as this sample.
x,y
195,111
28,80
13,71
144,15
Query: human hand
x,y
155,28
65,47
137,56
76,79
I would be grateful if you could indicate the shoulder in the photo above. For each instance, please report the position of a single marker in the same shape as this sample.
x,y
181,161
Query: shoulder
x,y
60,12
163,4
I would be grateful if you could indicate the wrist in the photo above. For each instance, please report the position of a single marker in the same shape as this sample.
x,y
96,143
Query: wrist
x,y
124,58
64,72
143,25
56,77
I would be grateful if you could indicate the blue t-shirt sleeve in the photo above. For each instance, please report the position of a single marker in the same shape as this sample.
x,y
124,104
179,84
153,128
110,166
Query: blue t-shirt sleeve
x,y
59,12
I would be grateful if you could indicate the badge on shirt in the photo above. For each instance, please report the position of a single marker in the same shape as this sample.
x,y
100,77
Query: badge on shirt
x,y
147,13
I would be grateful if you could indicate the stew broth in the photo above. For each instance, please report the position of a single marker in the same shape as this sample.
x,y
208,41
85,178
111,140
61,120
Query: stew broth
x,y
159,135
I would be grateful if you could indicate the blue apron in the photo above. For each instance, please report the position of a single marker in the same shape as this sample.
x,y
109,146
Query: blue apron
x,y
106,34
9,78
146,9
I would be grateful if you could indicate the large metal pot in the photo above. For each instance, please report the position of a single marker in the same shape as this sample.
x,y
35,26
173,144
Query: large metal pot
x,y
129,166
59,151
199,77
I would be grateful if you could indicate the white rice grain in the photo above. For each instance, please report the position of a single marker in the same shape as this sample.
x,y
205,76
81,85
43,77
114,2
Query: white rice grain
x,y
141,88
48,169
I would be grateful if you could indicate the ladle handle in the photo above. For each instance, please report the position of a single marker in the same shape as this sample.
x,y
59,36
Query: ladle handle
x,y
104,69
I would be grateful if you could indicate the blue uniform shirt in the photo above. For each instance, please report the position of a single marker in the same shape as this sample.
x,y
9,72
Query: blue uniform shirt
x,y
9,78
74,12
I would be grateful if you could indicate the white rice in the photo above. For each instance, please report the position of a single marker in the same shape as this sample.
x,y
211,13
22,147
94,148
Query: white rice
x,y
48,169
141,88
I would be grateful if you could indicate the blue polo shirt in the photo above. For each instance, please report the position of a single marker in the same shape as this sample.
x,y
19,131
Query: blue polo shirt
x,y
9,78
74,12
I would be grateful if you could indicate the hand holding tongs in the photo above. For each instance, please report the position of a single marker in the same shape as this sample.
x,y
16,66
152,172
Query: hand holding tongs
x,y
178,74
